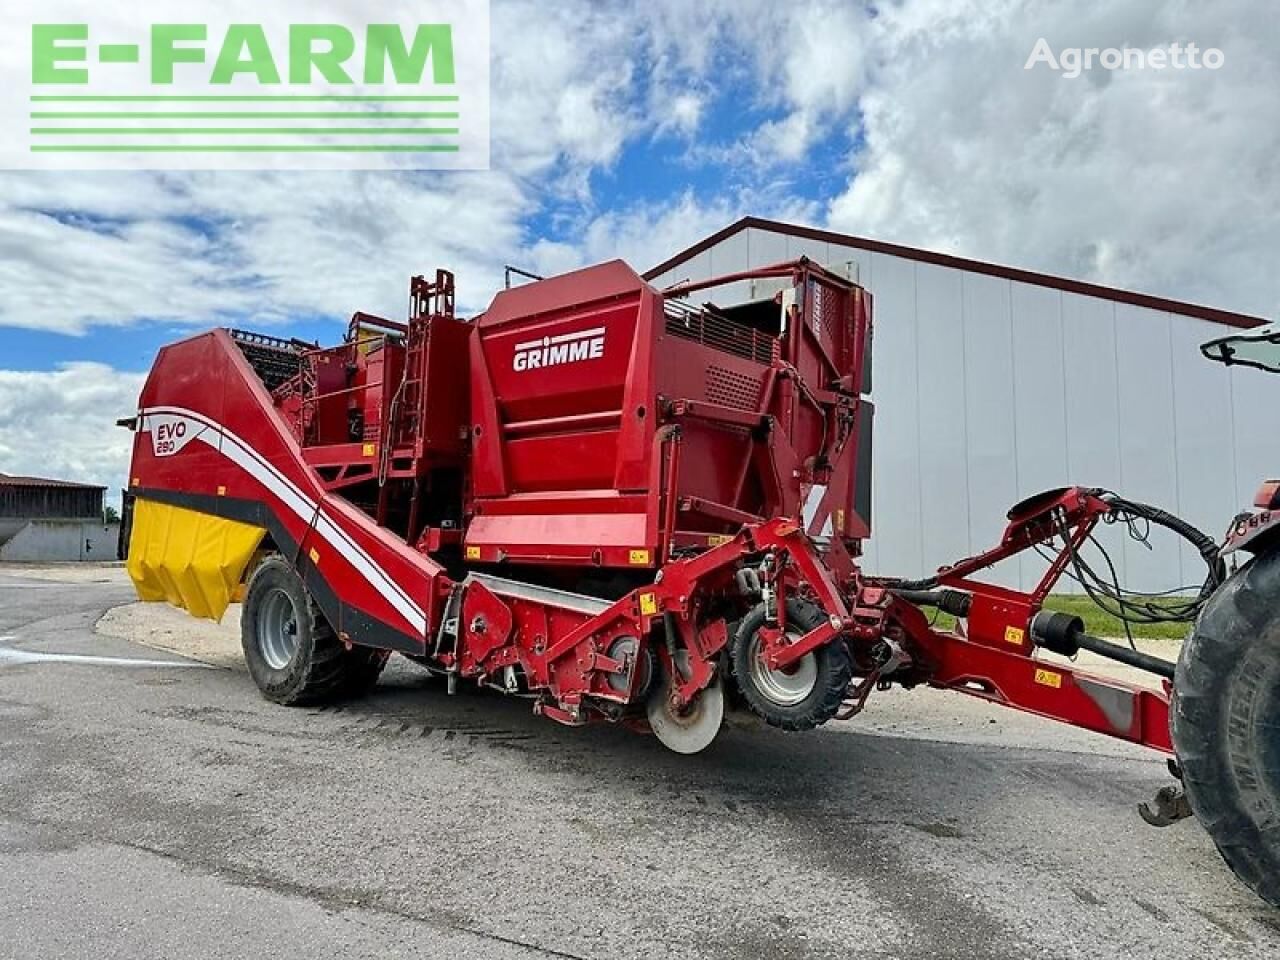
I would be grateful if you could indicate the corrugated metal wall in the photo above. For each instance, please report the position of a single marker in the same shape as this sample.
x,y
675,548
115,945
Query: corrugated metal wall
x,y
31,501
988,390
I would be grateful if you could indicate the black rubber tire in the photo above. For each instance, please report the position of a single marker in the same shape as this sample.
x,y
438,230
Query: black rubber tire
x,y
1226,722
322,668
833,667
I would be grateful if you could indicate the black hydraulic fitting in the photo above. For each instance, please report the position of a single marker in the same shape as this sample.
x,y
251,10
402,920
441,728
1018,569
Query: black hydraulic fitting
x,y
1059,632
1063,633
954,602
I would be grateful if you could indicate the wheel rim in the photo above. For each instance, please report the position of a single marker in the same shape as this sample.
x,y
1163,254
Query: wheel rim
x,y
278,629
695,727
788,686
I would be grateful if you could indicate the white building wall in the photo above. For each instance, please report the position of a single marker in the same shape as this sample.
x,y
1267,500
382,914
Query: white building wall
x,y
988,390
57,541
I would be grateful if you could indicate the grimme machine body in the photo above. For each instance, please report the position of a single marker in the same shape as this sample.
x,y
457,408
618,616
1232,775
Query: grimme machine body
x,y
627,504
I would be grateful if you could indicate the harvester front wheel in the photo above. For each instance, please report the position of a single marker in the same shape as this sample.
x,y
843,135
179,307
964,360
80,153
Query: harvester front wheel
x,y
802,696
1226,722
293,654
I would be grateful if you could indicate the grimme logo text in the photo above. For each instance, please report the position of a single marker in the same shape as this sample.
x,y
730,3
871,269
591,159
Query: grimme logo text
x,y
566,348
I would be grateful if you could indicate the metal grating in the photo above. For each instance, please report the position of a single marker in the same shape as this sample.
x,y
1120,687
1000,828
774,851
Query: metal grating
x,y
711,330
732,389
274,360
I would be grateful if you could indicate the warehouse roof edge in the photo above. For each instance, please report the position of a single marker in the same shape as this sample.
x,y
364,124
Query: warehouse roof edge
x,y
1213,314
9,480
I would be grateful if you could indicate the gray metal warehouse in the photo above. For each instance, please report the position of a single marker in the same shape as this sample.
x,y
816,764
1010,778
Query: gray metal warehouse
x,y
51,521
992,383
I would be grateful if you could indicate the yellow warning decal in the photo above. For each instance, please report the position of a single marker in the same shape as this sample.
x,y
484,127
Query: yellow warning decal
x,y
473,553
718,539
648,604
222,491
640,557
370,449
314,554
190,559
840,521
1014,635
1048,678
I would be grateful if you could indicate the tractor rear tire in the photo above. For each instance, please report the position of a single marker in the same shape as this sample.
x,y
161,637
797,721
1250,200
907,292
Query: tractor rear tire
x,y
1226,722
293,654
771,694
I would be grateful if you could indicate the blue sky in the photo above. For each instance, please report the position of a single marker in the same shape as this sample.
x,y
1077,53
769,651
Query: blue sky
x,y
633,130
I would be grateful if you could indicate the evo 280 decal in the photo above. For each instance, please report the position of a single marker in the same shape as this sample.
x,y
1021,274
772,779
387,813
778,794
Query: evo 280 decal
x,y
172,428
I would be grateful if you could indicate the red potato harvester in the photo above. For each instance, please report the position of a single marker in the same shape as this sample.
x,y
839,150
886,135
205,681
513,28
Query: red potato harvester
x,y
625,503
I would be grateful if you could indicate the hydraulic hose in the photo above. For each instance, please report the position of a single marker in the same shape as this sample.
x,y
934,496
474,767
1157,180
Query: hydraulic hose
x,y
1204,544
954,602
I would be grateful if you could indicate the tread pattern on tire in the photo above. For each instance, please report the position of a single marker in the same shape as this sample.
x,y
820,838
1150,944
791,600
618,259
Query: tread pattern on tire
x,y
1238,628
834,673
325,669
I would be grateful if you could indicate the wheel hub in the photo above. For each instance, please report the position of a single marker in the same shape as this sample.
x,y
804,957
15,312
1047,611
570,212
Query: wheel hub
x,y
278,629
788,685
693,727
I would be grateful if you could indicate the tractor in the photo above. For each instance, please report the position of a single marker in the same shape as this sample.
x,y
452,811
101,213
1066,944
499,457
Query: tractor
x,y
1226,694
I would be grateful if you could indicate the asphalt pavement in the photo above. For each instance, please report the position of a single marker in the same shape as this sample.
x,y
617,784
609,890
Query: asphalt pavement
x,y
152,806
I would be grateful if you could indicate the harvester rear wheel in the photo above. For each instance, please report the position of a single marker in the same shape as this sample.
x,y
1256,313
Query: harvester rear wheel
x,y
293,654
802,696
1226,722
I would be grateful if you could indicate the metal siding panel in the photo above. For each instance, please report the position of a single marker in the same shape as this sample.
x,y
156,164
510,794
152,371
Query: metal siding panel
x,y
1206,457
765,247
1039,390
730,255
1148,439
895,509
1253,398
1093,415
818,250
991,453
944,503
727,256
839,257
696,268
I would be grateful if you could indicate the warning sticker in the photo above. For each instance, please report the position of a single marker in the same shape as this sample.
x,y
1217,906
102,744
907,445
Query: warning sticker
x,y
1049,679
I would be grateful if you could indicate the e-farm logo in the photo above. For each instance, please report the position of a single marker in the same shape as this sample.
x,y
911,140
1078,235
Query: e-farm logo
x,y
293,83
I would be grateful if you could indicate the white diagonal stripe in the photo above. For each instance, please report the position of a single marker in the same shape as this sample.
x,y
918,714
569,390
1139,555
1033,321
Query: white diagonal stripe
x,y
253,463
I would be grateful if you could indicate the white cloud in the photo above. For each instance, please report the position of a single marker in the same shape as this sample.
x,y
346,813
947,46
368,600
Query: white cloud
x,y
61,424
646,234
1159,180
805,62
118,248
683,115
